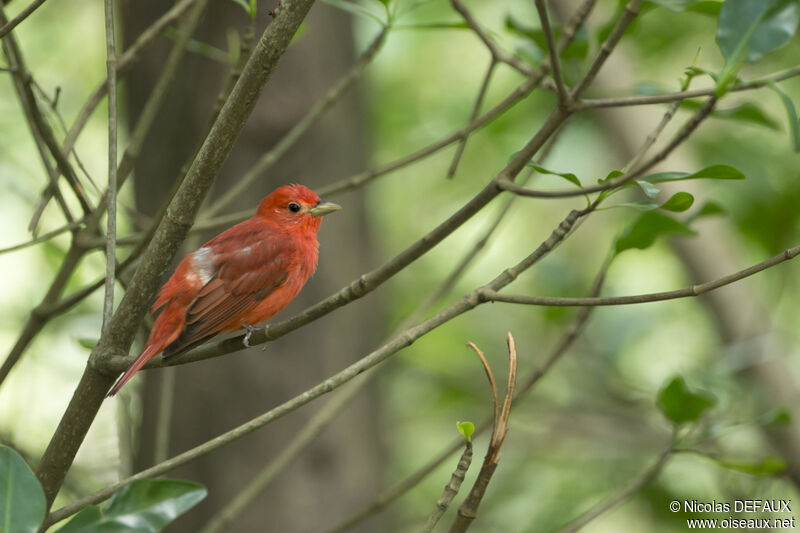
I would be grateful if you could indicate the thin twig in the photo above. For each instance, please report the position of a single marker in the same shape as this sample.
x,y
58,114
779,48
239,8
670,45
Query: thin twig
x,y
628,14
223,519
694,290
496,52
555,63
450,490
636,485
180,214
42,238
468,510
631,174
124,63
684,95
25,94
476,108
111,196
369,281
392,494
334,94
25,13
371,360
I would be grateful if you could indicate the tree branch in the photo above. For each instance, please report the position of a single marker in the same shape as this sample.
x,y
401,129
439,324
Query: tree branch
x,y
111,197
555,64
694,290
91,390
25,13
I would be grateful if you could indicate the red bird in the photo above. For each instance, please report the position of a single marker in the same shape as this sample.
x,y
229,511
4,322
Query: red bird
x,y
242,277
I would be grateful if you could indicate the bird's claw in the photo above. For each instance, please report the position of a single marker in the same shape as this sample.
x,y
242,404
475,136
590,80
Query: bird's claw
x,y
250,330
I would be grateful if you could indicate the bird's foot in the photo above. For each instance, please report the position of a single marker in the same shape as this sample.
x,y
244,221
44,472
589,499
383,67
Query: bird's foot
x,y
250,330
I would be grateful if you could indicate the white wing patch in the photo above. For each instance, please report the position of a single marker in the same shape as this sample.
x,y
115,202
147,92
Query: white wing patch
x,y
202,265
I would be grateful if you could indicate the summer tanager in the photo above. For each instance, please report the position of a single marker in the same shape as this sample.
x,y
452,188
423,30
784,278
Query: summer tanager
x,y
242,277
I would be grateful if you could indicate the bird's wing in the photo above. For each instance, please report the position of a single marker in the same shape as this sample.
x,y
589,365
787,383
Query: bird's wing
x,y
244,270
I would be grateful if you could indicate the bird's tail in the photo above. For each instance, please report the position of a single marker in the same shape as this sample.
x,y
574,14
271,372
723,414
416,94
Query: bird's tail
x,y
148,353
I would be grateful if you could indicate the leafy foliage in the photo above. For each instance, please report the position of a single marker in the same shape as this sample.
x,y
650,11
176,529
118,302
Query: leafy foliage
x,y
144,506
680,404
22,503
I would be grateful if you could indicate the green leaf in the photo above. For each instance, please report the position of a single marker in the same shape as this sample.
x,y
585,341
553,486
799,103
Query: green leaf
x,y
87,342
650,190
770,465
778,417
144,506
249,7
611,175
643,233
354,8
714,172
466,429
758,27
22,503
680,404
791,114
572,178
679,202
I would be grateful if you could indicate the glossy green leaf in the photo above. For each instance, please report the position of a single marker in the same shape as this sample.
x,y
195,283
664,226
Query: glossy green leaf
x,y
650,190
678,202
714,172
757,26
770,465
22,503
466,429
791,114
643,233
778,417
144,506
87,342
572,178
680,404
611,175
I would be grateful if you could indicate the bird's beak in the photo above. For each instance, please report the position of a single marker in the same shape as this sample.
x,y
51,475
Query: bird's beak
x,y
323,208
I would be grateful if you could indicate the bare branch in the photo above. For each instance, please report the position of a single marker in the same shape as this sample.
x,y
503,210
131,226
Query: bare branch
x,y
124,63
555,64
386,498
469,508
638,484
451,489
179,216
684,95
42,238
476,108
265,162
492,385
631,174
25,13
498,55
694,290
111,197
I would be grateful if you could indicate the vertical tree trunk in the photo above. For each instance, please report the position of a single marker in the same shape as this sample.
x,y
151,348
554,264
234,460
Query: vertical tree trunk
x,y
342,467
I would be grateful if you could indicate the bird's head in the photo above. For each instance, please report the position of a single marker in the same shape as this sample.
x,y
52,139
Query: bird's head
x,y
295,206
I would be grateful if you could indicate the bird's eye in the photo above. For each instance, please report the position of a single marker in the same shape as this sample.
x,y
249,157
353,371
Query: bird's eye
x,y
294,207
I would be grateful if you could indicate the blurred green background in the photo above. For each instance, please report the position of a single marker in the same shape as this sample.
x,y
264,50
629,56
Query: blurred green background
x,y
592,425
